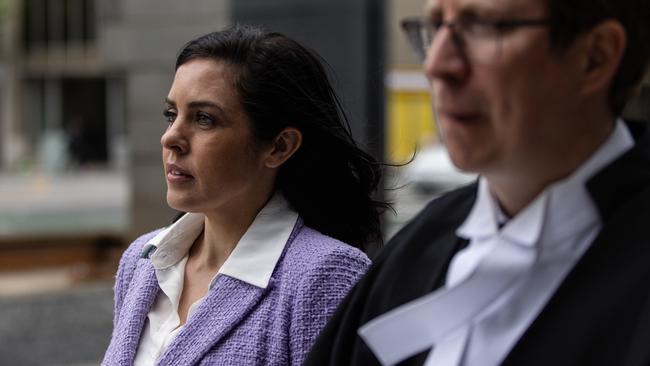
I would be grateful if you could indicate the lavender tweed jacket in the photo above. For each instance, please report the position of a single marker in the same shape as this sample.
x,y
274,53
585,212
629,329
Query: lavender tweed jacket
x,y
238,323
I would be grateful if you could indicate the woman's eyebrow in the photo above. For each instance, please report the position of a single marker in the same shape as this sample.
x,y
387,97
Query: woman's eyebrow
x,y
205,103
198,104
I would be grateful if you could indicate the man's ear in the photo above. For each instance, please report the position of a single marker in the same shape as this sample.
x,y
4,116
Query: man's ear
x,y
285,144
605,46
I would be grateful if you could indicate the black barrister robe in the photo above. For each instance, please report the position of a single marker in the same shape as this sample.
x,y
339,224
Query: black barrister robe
x,y
600,314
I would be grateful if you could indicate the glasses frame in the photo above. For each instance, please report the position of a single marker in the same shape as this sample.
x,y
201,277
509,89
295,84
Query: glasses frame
x,y
416,27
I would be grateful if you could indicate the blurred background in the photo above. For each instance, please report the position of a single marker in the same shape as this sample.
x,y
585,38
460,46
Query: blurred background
x,y
82,84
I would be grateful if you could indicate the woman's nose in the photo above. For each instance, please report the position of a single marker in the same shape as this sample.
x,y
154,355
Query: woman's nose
x,y
174,138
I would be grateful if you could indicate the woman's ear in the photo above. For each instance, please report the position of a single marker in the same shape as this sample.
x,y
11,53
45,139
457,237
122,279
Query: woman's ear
x,y
285,144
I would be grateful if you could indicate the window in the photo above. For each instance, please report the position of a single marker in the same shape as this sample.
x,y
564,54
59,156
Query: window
x,y
49,24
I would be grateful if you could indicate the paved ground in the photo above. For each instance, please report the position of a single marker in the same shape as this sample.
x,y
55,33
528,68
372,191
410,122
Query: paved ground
x,y
69,327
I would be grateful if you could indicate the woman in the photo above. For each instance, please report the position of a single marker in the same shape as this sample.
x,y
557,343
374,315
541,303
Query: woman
x,y
260,155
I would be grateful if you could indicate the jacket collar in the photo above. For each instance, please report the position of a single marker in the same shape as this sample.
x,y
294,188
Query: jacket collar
x,y
255,255
624,178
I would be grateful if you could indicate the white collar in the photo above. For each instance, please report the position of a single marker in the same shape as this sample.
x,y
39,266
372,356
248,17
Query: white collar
x,y
482,221
567,199
255,255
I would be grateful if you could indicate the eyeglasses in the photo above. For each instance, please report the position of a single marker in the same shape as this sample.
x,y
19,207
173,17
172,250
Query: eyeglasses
x,y
478,39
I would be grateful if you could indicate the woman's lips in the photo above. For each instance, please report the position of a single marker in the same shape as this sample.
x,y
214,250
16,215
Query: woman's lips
x,y
176,174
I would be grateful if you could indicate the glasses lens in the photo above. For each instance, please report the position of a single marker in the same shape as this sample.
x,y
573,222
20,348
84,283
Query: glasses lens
x,y
417,35
479,43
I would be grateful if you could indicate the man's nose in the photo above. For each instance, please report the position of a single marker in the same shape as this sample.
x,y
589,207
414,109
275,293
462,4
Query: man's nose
x,y
445,58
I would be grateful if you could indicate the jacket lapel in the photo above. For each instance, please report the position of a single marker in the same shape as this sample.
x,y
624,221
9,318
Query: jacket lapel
x,y
226,305
137,302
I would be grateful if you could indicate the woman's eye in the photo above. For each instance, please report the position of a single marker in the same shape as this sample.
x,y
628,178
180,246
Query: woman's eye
x,y
204,119
170,116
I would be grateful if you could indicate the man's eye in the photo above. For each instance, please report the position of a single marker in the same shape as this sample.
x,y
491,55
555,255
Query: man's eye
x,y
436,23
477,27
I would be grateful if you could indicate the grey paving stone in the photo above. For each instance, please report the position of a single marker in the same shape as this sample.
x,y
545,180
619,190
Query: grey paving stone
x,y
64,328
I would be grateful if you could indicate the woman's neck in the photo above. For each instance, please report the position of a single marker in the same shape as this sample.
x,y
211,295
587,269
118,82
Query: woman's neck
x,y
222,231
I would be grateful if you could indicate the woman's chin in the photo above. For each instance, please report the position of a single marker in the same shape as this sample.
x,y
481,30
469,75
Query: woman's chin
x,y
180,204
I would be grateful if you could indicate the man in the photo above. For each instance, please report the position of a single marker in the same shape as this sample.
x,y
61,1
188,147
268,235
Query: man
x,y
546,259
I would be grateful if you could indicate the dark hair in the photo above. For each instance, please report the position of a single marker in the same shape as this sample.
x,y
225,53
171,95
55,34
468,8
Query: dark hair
x,y
329,180
570,18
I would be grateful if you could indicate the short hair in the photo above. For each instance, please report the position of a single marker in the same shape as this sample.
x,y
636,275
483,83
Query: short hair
x,y
570,18
329,180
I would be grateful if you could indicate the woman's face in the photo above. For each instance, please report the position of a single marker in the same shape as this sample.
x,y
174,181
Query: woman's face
x,y
211,164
